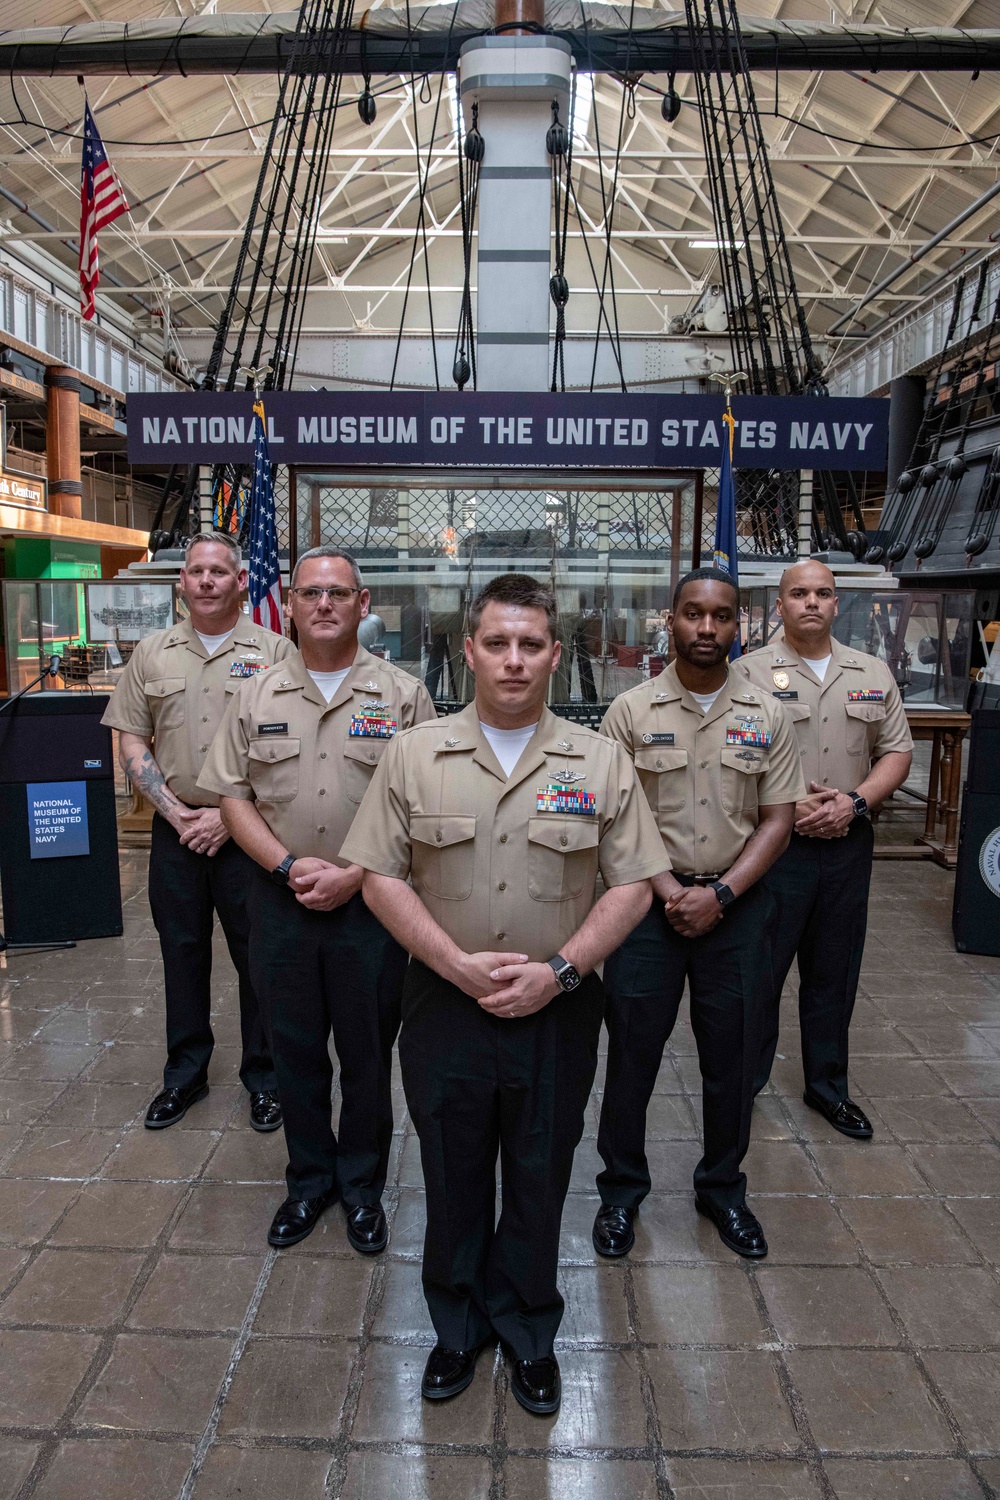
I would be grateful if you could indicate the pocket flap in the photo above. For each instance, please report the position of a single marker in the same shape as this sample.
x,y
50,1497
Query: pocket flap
x,y
268,750
368,751
869,712
745,758
564,834
661,758
162,687
797,711
439,831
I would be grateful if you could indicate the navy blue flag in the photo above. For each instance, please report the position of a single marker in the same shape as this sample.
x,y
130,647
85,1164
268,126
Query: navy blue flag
x,y
725,520
265,570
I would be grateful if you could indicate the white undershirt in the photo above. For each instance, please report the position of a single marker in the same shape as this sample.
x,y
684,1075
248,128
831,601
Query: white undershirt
x,y
818,664
212,643
705,700
508,744
328,682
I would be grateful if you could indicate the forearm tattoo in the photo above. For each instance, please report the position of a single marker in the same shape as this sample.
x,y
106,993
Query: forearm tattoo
x,y
145,774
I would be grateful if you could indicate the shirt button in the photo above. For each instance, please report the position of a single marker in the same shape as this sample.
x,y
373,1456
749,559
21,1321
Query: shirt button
x,y
321,828
204,690
503,838
826,749
322,755
204,718
371,755
502,886
322,791
826,718
438,836
704,765
501,936
703,839
203,748
704,801
563,840
659,765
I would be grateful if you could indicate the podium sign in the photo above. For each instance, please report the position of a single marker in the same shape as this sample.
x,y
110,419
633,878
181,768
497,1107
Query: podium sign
x,y
57,819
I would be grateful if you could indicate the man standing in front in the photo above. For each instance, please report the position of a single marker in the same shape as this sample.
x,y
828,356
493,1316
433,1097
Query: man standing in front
x,y
502,817
166,707
291,762
856,750
720,768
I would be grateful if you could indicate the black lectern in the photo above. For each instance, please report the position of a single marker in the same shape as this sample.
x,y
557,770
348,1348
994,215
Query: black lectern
x,y
975,917
59,838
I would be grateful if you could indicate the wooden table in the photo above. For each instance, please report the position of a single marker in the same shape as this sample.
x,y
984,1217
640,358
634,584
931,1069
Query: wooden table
x,y
946,729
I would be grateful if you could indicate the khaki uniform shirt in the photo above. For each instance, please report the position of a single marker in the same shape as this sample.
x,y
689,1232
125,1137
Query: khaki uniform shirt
x,y
175,692
506,862
706,775
839,733
308,763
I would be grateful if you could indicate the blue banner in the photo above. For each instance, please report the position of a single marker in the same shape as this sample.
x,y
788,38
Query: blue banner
x,y
57,819
369,429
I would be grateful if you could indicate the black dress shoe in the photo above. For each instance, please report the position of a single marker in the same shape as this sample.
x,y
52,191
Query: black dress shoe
x,y
844,1116
172,1105
738,1228
297,1218
613,1234
366,1228
536,1385
265,1111
447,1372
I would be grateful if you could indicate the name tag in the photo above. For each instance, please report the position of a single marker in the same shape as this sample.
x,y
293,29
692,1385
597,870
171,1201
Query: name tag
x,y
745,734
657,739
371,727
272,728
787,697
246,668
557,798
866,695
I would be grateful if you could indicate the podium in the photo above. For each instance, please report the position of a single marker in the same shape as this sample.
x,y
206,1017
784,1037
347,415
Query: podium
x,y
975,917
59,840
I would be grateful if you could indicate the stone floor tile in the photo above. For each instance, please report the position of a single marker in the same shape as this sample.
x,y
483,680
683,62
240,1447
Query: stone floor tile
x,y
987,1111
172,1155
87,1288
17,1456
56,1061
248,1156
875,1399
802,1231
408,1223
595,1313
771,1119
392,1410
862,1167
288,1388
130,1062
123,1214
900,1231
25,1099
315,1295
980,1218
897,1078
221,1216
601,1405
668,1118
742,1479
980,1080
959,1169
716,1399
206,1292
696,1305
82,1027
98,1106
11,1260
402,1312
29,1208
944,1039
969,1384
576,1479
49,1151
39,1371
157,1383
912,1479
230,1473
826,1305
989,1469
932,1120
779,1167
384,1476
115,1470
962,1308
216,1110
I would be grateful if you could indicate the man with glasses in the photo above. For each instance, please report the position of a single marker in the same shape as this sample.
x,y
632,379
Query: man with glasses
x,y
291,763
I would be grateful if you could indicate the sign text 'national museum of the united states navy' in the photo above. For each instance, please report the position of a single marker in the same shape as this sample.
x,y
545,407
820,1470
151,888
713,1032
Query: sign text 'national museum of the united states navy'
x,y
511,429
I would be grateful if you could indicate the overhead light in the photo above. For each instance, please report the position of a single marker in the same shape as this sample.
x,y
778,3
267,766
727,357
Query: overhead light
x,y
716,244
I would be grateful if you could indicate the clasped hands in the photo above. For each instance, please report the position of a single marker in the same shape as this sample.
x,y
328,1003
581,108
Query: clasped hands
x,y
825,813
322,886
507,984
200,828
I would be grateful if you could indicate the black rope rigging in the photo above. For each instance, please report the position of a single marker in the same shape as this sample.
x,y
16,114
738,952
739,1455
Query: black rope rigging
x,y
471,151
559,144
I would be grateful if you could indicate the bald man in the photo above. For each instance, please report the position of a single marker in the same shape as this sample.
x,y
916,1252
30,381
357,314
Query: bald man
x,y
856,750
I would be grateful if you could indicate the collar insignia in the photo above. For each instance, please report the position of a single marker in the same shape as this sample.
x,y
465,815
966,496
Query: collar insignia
x,y
565,745
371,687
450,744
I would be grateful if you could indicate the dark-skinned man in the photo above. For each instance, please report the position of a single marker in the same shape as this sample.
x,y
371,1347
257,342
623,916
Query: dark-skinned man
x,y
291,763
166,707
856,749
719,765
502,817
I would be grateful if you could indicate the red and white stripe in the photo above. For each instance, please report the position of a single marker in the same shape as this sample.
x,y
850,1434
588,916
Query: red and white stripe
x,y
101,202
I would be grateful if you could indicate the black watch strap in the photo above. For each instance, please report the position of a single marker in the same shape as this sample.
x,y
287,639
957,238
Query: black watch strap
x,y
860,805
725,896
281,872
569,977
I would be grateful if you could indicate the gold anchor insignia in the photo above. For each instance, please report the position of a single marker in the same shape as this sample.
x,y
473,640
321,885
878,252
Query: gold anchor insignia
x,y
781,679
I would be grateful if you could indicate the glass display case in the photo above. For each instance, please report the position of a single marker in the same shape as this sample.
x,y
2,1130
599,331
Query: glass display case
x,y
93,627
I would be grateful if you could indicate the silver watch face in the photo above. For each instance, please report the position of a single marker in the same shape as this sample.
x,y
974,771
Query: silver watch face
x,y
569,978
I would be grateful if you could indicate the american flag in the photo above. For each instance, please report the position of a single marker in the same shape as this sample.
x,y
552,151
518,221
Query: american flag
x,y
101,202
265,572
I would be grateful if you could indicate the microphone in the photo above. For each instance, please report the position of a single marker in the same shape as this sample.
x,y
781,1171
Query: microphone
x,y
53,668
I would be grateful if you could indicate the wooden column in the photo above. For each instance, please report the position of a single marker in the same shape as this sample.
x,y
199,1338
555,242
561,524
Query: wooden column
x,y
62,441
510,12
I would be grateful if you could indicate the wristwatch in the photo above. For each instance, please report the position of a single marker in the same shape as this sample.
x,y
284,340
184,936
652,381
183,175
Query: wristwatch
x,y
280,874
564,971
725,896
860,805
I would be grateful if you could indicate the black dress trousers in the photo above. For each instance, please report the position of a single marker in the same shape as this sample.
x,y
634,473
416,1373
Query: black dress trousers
x,y
318,972
479,1087
820,888
185,891
729,974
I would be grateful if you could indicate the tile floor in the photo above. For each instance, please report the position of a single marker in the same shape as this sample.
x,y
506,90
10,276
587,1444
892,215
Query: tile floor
x,y
151,1346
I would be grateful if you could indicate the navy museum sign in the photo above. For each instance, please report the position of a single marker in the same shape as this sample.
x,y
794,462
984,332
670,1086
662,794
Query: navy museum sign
x,y
510,429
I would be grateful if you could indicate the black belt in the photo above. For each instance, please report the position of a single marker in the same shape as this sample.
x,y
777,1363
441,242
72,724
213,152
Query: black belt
x,y
694,879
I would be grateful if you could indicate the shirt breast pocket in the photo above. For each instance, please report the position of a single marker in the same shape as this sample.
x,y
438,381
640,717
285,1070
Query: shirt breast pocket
x,y
361,757
562,857
741,766
274,769
863,720
443,854
663,774
166,702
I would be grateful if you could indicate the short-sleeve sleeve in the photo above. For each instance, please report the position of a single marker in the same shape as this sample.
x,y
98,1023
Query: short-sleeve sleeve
x,y
379,839
227,765
894,731
631,848
129,706
782,781
421,707
615,724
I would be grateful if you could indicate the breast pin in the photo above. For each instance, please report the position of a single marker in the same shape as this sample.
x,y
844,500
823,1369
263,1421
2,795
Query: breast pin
x,y
372,687
452,743
568,776
565,745
781,679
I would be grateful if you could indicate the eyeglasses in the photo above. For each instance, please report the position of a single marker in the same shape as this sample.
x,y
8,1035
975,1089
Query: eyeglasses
x,y
338,593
